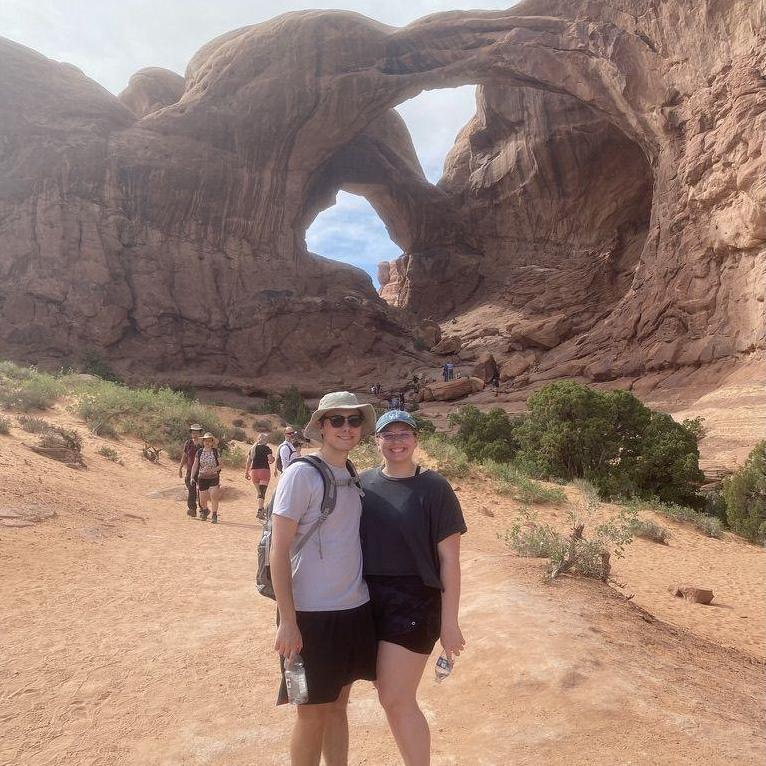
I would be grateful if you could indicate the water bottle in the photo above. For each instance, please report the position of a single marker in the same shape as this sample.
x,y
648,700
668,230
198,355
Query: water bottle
x,y
295,681
443,668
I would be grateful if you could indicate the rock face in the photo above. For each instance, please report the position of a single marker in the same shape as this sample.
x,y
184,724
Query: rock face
x,y
608,200
450,390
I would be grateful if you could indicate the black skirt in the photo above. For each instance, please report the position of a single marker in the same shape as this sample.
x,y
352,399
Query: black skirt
x,y
406,612
338,649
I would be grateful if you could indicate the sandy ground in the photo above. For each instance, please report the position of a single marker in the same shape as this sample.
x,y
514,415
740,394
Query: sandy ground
x,y
133,635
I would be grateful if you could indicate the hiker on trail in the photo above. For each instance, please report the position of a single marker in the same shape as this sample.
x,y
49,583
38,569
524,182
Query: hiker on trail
x,y
258,469
450,370
185,467
288,450
411,528
445,372
207,473
323,603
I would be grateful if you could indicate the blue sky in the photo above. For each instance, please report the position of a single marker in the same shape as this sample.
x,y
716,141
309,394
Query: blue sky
x,y
110,40
351,230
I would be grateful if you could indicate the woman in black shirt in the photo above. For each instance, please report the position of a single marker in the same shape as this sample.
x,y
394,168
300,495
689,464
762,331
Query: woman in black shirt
x,y
258,469
411,527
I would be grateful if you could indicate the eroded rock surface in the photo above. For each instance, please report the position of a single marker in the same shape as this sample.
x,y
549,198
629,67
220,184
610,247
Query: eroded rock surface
x,y
607,202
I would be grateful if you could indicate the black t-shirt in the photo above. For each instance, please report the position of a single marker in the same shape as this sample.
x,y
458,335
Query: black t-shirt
x,y
404,520
260,454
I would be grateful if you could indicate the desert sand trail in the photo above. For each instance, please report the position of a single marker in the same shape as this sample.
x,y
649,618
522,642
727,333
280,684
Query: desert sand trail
x,y
132,635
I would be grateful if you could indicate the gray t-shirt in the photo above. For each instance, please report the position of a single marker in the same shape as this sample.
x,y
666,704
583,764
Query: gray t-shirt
x,y
327,572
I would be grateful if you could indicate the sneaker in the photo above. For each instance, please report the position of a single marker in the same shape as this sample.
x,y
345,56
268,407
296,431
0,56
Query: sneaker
x,y
192,512
203,514
214,519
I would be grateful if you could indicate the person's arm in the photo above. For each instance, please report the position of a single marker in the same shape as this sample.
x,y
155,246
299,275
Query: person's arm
x,y
249,464
449,571
182,464
195,468
288,641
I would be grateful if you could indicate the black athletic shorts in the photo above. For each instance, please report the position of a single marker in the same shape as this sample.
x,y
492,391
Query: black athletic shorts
x,y
405,611
204,484
338,649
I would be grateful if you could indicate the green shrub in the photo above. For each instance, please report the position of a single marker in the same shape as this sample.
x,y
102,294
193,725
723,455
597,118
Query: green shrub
x,y
708,525
238,423
533,540
365,455
174,450
451,461
276,437
5,425
289,405
25,388
93,363
485,435
233,457
109,453
744,495
612,439
531,491
32,424
238,434
650,531
261,425
158,416
425,426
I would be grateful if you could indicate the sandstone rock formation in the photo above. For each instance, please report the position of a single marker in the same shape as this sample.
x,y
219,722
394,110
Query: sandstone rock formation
x,y
450,390
607,202
692,593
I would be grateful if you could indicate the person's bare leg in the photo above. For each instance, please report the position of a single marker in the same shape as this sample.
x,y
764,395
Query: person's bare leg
x,y
204,498
214,495
308,733
399,673
335,743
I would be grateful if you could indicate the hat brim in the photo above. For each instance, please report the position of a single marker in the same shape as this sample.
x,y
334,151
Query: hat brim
x,y
313,431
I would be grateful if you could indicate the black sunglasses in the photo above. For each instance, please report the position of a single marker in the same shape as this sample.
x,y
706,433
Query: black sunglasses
x,y
338,421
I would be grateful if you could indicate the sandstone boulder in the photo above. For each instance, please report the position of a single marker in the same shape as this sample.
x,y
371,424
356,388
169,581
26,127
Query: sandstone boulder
x,y
485,368
450,390
692,593
516,365
448,345
429,332
542,333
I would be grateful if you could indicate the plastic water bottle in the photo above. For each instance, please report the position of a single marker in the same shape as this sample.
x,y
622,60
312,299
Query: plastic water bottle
x,y
295,681
443,668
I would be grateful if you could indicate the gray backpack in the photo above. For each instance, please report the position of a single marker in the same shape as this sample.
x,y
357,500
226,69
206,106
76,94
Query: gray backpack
x,y
329,498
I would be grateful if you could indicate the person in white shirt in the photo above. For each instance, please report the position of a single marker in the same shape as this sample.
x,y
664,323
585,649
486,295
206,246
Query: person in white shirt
x,y
288,450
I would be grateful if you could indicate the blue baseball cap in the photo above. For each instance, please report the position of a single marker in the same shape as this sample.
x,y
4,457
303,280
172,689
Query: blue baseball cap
x,y
395,416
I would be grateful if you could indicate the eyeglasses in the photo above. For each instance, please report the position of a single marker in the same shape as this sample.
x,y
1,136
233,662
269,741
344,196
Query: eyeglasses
x,y
338,421
396,436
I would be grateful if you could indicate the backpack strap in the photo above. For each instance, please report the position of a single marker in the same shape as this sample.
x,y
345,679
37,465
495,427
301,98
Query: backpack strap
x,y
329,497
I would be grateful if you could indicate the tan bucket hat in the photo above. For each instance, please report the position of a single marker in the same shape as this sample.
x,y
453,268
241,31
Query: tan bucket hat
x,y
339,400
208,435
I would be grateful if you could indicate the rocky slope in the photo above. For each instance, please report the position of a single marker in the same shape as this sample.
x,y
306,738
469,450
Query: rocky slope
x,y
604,212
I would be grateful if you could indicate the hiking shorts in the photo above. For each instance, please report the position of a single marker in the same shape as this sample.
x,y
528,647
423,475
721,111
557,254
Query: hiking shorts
x,y
405,611
338,649
203,485
260,475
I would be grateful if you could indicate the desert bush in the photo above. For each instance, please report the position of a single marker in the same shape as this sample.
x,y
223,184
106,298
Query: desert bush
x,y
32,425
451,461
485,435
530,491
276,437
534,540
261,425
233,457
650,531
425,426
158,416
289,405
109,453
744,495
612,439
238,434
5,425
25,388
62,444
708,525
238,423
174,450
93,363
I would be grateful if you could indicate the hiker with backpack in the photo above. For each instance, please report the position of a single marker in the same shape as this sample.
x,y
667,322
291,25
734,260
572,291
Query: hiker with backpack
x,y
315,565
288,450
207,473
188,455
410,531
258,470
